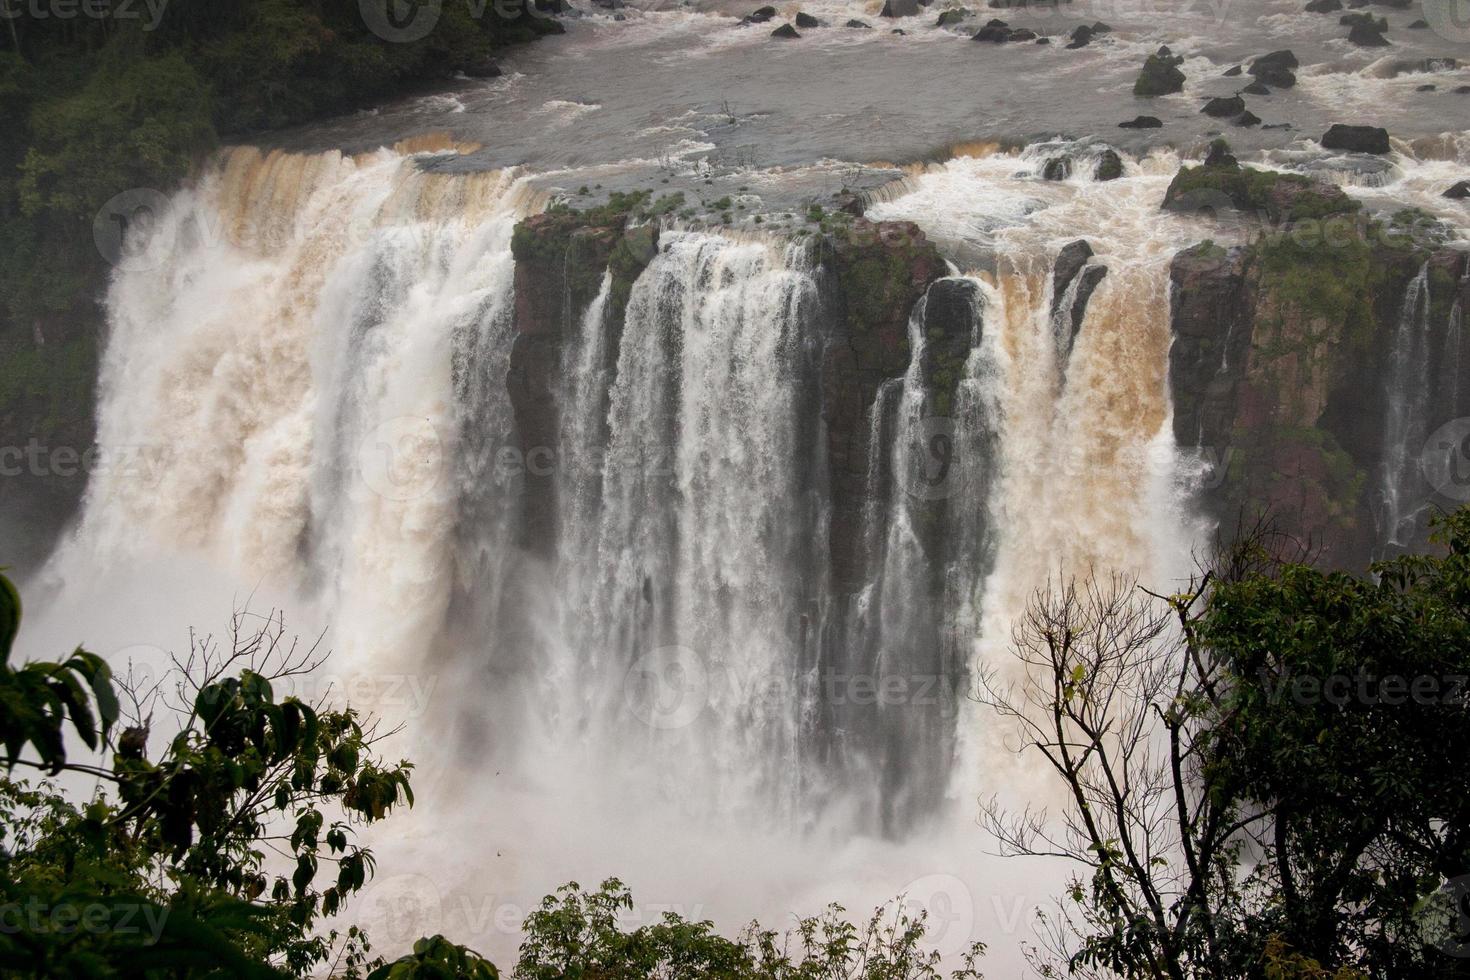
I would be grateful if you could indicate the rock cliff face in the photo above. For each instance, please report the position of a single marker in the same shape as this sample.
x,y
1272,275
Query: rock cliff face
x,y
560,260
1310,367
878,272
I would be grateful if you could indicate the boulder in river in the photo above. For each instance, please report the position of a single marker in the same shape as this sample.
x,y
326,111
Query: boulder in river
x,y
1419,25
760,15
859,25
1142,122
1248,118
1223,107
482,68
1459,191
950,17
1219,155
899,8
1324,6
1232,72
996,32
1081,36
786,32
1022,34
805,20
1356,139
1275,69
1109,166
1366,36
1160,75
1256,87
1057,168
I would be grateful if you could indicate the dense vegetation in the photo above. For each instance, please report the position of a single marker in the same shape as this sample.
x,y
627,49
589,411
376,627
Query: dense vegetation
x,y
1261,768
106,96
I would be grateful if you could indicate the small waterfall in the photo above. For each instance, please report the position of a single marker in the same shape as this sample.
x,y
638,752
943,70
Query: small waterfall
x,y
1407,400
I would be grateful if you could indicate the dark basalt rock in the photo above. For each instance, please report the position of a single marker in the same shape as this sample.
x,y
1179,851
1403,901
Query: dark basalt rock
x,y
785,32
1419,25
1425,88
1363,19
1219,155
996,32
1356,139
483,69
1459,191
806,20
1365,36
1323,6
1232,72
859,25
1256,88
1057,168
949,17
1142,122
1462,89
878,271
759,16
1275,69
1109,166
1224,108
1022,34
1081,36
1248,118
1070,260
1160,75
899,8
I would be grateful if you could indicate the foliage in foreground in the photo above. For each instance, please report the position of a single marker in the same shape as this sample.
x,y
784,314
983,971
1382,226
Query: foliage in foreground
x,y
1258,769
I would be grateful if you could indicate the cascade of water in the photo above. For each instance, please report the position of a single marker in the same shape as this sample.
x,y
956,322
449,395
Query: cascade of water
x,y
1406,416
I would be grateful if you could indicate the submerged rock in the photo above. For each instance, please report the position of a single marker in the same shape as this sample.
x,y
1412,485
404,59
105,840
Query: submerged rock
x,y
785,32
1458,192
1057,168
759,16
859,25
996,32
1248,118
484,68
806,20
1256,88
950,17
1142,122
1356,139
1323,6
1232,72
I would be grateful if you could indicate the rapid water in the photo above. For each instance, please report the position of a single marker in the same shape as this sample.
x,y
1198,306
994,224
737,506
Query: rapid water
x,y
311,352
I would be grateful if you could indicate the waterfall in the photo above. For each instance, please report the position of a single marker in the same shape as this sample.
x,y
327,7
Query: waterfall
x,y
1407,401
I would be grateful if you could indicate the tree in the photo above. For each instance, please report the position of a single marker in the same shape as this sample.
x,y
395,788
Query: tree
x,y
1255,789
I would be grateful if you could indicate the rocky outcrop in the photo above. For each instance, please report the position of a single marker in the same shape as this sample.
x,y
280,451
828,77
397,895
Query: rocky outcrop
x,y
1356,139
1280,372
876,272
1276,69
1067,312
1160,75
1142,122
560,260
